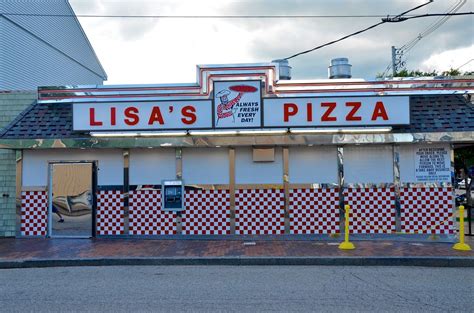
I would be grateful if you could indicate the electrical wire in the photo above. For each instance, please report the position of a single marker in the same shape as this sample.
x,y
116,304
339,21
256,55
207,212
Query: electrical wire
x,y
465,64
403,50
385,19
434,26
439,14
357,32
334,41
197,16
415,8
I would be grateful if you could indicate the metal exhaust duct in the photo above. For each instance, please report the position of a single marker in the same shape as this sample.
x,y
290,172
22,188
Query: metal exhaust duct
x,y
285,69
339,68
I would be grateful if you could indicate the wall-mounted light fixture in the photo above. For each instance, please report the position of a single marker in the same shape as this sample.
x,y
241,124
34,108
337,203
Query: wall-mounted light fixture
x,y
140,134
359,130
212,132
263,131
115,134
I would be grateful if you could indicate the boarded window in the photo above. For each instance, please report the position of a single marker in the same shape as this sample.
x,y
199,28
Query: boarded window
x,y
263,154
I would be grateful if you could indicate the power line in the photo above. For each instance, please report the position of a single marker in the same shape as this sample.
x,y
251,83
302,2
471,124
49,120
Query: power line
x,y
334,41
197,16
440,14
465,64
384,20
415,8
398,53
432,15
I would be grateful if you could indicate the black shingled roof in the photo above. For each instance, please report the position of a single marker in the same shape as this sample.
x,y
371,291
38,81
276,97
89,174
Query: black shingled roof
x,y
430,113
437,113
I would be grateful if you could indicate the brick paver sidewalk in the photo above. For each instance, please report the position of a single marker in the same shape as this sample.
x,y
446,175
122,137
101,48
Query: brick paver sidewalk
x,y
76,249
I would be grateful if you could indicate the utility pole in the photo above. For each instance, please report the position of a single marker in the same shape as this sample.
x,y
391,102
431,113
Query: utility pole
x,y
397,62
394,66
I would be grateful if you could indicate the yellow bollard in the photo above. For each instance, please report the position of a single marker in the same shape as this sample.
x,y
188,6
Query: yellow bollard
x,y
461,245
346,245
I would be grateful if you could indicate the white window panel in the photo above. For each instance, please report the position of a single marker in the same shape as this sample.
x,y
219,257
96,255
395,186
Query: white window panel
x,y
206,166
151,166
368,164
407,164
35,164
249,172
313,165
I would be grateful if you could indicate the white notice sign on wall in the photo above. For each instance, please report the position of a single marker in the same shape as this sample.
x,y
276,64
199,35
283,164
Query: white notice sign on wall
x,y
432,164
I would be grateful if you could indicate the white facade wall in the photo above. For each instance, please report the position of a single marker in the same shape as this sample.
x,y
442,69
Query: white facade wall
x,y
249,172
362,164
151,166
35,165
368,164
205,166
313,165
407,164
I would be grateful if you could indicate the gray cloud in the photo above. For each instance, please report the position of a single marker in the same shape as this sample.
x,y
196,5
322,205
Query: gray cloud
x,y
129,29
278,38
369,52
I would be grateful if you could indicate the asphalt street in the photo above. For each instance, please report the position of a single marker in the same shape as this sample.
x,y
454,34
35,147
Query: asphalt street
x,y
237,289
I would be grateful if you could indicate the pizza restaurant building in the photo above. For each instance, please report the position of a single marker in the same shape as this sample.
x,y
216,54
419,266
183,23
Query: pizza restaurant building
x,y
241,152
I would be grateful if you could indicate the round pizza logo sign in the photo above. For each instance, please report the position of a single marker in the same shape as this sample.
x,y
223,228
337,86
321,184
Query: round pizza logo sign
x,y
237,104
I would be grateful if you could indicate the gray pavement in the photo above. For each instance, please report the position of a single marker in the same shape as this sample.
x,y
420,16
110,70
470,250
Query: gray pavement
x,y
237,289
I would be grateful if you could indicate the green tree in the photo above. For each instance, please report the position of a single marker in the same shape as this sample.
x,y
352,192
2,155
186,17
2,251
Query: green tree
x,y
452,72
418,73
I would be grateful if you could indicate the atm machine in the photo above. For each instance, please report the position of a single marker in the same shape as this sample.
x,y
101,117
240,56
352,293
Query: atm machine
x,y
172,195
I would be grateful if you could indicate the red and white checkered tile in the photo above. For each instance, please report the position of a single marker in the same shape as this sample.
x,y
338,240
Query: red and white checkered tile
x,y
372,210
207,212
34,213
259,212
110,212
426,210
314,211
146,216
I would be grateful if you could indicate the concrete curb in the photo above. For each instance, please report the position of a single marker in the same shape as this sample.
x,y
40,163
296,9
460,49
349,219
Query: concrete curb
x,y
236,261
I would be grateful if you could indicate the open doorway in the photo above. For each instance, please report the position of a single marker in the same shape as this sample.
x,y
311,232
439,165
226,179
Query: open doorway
x,y
71,199
464,182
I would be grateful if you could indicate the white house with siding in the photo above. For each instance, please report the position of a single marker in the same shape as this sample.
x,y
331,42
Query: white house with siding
x,y
43,44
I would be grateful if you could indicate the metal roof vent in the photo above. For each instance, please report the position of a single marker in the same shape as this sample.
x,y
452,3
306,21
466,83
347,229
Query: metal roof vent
x,y
285,69
339,68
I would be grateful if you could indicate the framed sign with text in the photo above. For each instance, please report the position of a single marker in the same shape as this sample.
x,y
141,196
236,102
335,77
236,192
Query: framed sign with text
x,y
153,115
237,104
336,111
432,164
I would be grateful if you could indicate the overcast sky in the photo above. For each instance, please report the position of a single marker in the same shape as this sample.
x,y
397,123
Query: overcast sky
x,y
152,51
